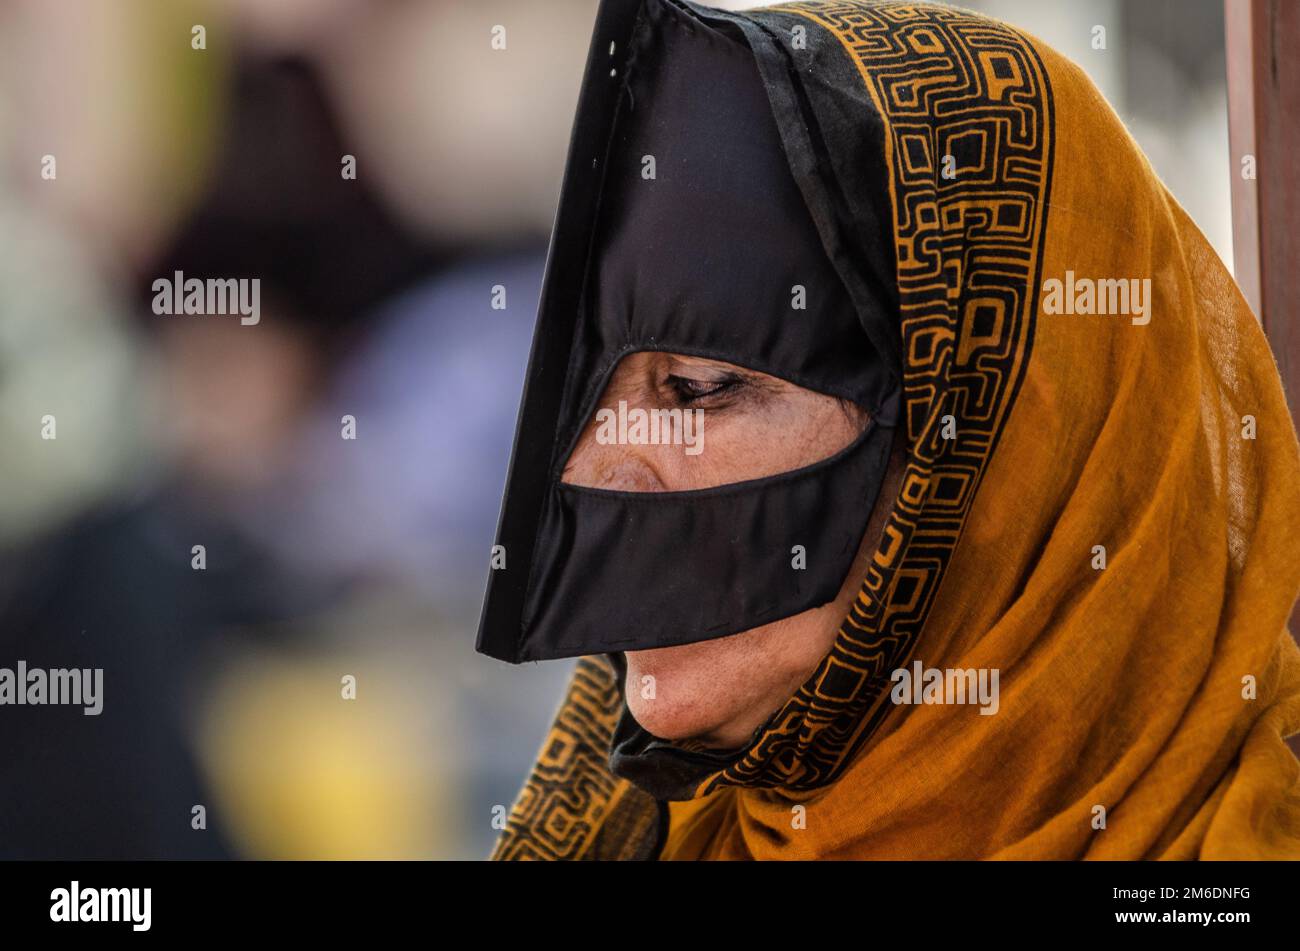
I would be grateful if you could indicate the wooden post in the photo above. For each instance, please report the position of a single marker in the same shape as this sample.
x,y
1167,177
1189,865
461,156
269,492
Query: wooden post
x,y
1263,37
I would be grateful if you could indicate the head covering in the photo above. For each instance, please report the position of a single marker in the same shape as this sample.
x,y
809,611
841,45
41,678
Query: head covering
x,y
1101,487
684,261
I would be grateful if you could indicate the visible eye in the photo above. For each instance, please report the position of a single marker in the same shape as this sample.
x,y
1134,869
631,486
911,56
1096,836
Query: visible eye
x,y
686,390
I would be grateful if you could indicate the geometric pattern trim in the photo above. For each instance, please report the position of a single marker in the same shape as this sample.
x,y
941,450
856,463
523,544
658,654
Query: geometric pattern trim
x,y
967,111
571,807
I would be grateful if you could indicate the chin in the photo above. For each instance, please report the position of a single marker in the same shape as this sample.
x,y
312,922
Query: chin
x,y
672,722
691,697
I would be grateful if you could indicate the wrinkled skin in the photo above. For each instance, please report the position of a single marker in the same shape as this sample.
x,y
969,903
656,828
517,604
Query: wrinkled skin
x,y
719,691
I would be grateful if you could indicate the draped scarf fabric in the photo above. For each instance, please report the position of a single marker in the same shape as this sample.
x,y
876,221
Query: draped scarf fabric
x,y
1099,506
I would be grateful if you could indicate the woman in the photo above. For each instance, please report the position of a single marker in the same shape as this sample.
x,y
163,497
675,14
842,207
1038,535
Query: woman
x,y
984,552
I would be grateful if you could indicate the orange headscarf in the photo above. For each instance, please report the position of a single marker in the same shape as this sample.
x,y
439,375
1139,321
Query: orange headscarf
x,y
1102,507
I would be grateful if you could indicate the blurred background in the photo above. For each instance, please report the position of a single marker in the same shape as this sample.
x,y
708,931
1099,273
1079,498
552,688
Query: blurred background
x,y
325,558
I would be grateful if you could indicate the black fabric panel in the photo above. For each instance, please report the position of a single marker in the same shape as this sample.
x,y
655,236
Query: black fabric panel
x,y
835,142
705,256
631,570
541,406
703,259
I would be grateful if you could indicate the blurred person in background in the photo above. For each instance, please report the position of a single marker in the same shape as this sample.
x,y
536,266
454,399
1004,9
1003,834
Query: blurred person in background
x,y
326,558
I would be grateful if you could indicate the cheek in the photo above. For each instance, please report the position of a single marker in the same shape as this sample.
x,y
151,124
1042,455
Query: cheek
x,y
741,664
682,691
612,467
786,434
776,433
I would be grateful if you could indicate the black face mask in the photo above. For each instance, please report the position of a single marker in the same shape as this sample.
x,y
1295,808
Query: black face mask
x,y
681,229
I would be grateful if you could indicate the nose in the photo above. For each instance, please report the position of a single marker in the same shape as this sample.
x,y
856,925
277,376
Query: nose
x,y
624,468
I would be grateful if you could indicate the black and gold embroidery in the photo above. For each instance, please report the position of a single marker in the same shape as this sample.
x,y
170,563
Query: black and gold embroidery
x,y
968,118
570,806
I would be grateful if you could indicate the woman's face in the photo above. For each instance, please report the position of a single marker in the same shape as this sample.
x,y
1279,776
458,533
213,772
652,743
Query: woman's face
x,y
753,425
